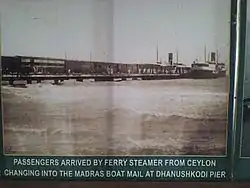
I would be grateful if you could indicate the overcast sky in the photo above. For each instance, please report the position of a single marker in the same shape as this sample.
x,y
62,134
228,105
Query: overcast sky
x,y
119,30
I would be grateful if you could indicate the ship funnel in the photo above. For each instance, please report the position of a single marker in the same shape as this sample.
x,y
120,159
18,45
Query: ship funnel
x,y
213,56
170,58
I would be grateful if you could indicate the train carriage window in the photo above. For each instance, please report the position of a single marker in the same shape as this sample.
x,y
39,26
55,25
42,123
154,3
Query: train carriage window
x,y
25,60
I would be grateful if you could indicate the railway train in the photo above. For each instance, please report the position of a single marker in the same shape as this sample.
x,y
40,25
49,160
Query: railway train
x,y
42,65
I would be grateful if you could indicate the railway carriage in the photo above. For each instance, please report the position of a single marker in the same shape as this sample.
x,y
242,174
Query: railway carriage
x,y
32,65
16,65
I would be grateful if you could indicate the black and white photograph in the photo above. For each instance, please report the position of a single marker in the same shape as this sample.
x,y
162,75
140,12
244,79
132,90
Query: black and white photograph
x,y
115,77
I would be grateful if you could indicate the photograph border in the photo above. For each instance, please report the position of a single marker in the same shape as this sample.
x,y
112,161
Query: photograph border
x,y
230,140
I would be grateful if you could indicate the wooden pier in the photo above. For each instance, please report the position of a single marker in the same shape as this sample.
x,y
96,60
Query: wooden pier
x,y
80,78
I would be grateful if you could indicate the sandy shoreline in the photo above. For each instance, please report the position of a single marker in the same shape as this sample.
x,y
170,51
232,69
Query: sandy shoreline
x,y
192,137
139,120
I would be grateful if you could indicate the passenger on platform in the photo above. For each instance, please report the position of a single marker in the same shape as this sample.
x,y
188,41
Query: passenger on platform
x,y
69,71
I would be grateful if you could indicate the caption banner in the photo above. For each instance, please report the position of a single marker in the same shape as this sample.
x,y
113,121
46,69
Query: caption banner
x,y
115,168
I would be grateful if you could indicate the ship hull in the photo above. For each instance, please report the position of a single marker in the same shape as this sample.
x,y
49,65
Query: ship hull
x,y
222,74
201,74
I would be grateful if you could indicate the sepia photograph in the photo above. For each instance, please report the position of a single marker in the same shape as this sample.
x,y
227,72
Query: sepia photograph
x,y
115,77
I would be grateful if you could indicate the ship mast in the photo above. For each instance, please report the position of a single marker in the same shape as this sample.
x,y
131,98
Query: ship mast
x,y
65,55
205,54
157,54
217,56
177,56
